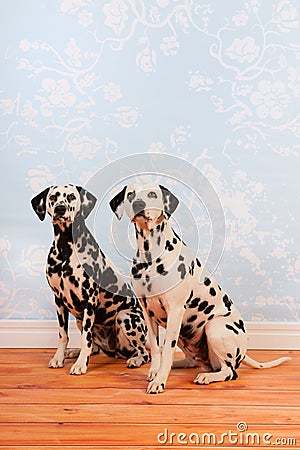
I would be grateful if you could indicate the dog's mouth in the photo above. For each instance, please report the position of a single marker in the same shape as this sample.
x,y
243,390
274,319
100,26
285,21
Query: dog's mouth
x,y
142,215
61,214
57,219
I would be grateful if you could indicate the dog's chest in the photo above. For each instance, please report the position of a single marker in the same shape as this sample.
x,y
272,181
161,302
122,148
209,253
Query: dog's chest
x,y
66,280
157,309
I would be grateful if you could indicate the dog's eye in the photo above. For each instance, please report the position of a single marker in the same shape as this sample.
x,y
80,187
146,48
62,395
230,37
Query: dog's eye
x,y
152,195
71,197
52,197
130,196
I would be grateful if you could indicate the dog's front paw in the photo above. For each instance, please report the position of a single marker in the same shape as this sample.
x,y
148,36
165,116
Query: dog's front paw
x,y
56,363
156,386
78,368
203,378
154,368
135,361
152,373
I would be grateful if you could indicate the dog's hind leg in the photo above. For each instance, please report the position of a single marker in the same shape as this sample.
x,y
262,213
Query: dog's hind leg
x,y
189,362
226,340
131,338
185,363
71,353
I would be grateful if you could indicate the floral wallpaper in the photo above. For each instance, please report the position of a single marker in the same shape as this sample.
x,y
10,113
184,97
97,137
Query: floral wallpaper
x,y
85,82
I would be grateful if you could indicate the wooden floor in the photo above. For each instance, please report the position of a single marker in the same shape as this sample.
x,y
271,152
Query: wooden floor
x,y
108,407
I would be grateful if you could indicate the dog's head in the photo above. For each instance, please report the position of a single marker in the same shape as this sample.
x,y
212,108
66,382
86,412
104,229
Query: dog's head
x,y
63,203
144,202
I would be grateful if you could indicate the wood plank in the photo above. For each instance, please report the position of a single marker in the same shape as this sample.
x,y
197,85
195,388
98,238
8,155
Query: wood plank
x,y
16,355
133,434
192,396
40,369
126,380
139,414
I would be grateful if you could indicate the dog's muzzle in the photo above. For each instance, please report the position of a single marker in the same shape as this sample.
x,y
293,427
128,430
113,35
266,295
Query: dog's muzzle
x,y
59,211
138,207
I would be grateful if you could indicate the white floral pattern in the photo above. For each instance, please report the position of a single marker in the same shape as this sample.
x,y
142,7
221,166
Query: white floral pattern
x,y
85,82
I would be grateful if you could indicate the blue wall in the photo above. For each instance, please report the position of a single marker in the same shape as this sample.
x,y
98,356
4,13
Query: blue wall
x,y
83,83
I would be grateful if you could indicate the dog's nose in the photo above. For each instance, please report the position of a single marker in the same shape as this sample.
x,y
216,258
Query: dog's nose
x,y
138,206
60,210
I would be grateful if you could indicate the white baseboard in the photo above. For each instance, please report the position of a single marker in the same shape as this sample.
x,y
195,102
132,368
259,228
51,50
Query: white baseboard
x,y
44,334
34,334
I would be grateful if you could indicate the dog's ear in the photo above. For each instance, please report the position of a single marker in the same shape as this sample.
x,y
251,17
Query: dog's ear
x,y
117,203
39,203
170,201
88,201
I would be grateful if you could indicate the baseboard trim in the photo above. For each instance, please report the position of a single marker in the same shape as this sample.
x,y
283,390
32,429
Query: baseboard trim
x,y
44,334
34,334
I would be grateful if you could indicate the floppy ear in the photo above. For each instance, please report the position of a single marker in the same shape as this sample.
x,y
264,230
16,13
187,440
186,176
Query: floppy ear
x,y
117,203
39,203
170,201
88,201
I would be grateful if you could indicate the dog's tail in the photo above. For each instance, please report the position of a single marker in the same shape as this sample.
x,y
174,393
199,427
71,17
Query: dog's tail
x,y
266,365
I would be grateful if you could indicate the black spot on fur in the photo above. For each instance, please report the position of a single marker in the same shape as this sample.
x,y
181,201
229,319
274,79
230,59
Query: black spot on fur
x,y
173,343
192,318
212,292
209,309
194,303
191,268
87,325
203,305
227,302
161,270
169,246
240,325
207,281
198,262
229,327
108,277
181,268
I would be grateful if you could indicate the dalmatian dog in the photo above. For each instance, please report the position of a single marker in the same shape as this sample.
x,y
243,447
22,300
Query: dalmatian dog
x,y
179,294
85,283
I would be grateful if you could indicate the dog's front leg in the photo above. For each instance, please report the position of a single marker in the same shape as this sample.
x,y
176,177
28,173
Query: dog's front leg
x,y
63,319
80,366
173,328
154,347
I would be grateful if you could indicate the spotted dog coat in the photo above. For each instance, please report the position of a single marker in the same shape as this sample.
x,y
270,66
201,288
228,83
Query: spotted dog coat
x,y
85,284
180,295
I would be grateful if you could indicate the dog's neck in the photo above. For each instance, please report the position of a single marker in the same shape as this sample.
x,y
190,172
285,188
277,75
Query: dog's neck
x,y
151,238
69,229
66,234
